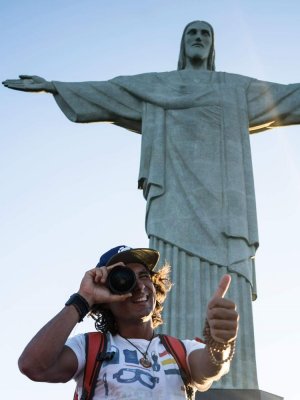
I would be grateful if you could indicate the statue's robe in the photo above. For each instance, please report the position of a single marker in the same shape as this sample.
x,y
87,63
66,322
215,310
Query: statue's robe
x,y
197,178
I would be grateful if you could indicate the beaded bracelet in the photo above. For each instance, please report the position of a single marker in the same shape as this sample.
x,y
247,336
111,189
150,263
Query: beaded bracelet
x,y
80,303
217,347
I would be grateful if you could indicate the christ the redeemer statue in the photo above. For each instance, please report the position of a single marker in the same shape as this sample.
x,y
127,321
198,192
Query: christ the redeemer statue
x,y
195,172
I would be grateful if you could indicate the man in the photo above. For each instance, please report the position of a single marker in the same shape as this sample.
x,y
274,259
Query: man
x,y
140,367
195,171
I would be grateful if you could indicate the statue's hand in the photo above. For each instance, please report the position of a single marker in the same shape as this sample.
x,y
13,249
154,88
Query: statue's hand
x,y
30,83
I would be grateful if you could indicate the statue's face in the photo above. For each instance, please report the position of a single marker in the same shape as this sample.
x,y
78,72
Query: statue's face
x,y
197,41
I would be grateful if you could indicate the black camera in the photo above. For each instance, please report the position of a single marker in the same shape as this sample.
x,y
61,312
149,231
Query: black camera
x,y
121,280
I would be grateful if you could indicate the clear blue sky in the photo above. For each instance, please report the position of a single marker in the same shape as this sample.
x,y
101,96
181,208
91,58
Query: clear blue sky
x,y
68,191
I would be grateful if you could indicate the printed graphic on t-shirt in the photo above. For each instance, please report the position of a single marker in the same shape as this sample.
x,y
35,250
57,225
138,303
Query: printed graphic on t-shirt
x,y
169,364
155,365
123,377
130,375
134,372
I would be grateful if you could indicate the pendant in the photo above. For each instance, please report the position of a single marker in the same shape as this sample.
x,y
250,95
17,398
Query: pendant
x,y
145,362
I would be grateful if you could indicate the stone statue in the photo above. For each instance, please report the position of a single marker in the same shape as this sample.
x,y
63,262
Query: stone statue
x,y
195,172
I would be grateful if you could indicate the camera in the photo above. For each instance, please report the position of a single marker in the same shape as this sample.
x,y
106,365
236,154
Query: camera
x,y
121,280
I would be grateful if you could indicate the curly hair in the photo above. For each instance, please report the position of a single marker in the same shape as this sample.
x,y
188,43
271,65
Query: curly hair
x,y
105,320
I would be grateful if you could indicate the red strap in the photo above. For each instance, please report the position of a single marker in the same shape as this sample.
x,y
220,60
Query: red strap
x,y
199,340
175,347
178,351
95,344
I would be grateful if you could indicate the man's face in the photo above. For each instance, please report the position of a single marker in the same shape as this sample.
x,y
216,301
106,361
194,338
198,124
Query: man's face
x,y
198,41
141,305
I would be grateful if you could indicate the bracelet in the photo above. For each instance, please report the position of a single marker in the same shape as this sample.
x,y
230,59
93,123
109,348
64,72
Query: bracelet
x,y
217,347
80,303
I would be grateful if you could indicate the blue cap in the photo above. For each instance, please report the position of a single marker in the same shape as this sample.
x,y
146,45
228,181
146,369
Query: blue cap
x,y
126,254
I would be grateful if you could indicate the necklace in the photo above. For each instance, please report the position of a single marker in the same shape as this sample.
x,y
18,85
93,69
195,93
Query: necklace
x,y
144,361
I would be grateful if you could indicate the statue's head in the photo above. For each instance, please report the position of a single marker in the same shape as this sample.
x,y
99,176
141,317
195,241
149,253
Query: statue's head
x,y
210,55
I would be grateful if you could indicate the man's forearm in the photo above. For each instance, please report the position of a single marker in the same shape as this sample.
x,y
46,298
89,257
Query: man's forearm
x,y
45,347
203,370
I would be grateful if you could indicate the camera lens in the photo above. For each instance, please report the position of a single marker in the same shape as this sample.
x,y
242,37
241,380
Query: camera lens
x,y
121,280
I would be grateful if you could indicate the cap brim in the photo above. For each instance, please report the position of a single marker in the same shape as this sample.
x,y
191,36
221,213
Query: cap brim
x,y
147,257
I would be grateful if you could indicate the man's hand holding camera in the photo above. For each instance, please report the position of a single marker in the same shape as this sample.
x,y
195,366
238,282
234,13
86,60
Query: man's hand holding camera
x,y
94,288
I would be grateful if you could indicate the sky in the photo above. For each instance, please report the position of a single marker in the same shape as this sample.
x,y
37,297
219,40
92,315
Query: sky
x,y
69,191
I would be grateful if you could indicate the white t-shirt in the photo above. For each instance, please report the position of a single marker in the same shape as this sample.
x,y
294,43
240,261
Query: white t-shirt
x,y
124,377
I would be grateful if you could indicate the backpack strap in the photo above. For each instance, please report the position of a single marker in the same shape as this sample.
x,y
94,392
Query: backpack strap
x,y
177,349
95,349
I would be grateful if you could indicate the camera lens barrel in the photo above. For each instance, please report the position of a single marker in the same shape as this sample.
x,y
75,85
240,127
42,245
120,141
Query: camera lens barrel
x,y
121,280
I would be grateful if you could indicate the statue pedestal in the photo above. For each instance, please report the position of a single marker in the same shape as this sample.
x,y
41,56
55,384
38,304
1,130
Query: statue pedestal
x,y
236,394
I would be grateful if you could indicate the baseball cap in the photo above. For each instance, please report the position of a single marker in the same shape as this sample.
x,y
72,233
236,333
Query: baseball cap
x,y
126,254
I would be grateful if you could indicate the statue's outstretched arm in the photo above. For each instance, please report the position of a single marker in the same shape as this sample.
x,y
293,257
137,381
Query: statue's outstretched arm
x,y
30,83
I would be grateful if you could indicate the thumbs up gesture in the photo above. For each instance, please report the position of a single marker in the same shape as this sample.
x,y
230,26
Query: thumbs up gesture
x,y
222,316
